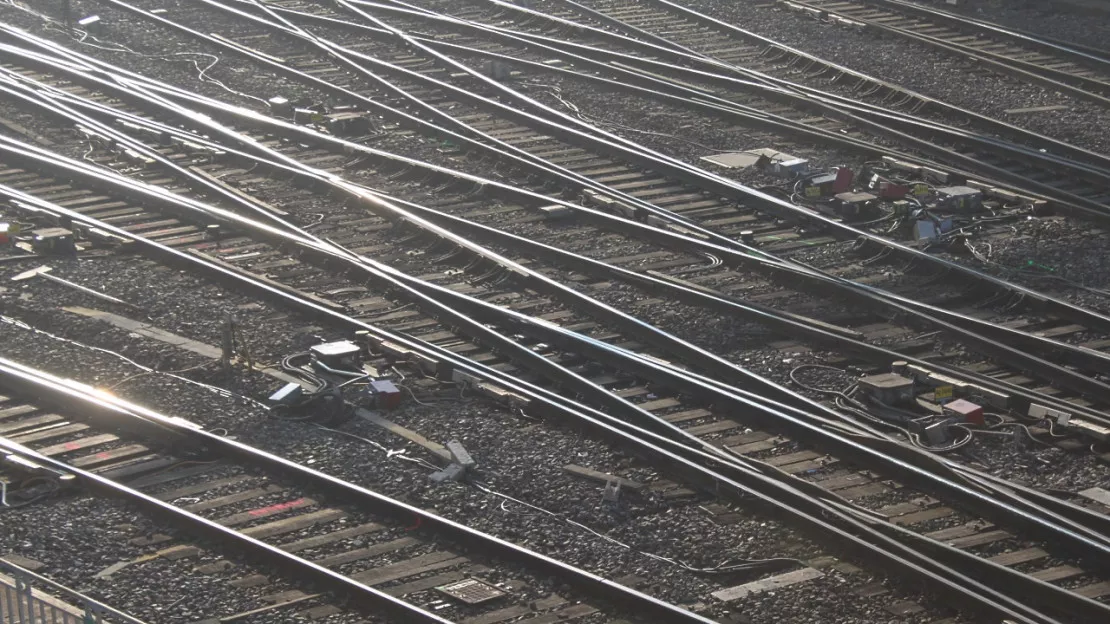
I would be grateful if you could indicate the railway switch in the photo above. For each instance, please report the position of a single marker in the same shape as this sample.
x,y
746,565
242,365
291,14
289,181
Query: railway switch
x,y
888,388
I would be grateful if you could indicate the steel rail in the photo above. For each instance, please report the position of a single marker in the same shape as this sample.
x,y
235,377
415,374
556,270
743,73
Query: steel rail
x,y
550,286
1075,356
559,404
43,99
881,355
729,188
1040,141
69,394
1063,507
562,123
671,164
355,61
1083,87
654,85
324,253
298,568
1099,58
1015,390
1052,305
402,215
352,147
866,115
1020,514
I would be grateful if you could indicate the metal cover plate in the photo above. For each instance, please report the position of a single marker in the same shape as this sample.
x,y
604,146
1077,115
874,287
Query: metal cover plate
x,y
471,591
740,160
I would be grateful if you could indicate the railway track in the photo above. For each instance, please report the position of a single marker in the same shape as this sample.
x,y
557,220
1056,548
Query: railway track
x,y
653,192
264,260
689,37
962,536
1081,192
726,429
1077,70
503,215
385,556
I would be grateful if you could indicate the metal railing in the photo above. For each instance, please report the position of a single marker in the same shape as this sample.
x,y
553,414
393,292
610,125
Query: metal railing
x,y
26,598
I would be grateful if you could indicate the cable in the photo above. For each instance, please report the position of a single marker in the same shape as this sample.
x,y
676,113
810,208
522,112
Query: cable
x,y
27,499
556,92
745,565
844,396
399,454
216,389
83,36
143,374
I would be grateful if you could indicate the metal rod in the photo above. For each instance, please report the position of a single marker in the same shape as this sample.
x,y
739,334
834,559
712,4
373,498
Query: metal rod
x,y
88,291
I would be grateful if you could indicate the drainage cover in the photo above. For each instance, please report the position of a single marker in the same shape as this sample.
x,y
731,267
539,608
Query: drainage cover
x,y
471,591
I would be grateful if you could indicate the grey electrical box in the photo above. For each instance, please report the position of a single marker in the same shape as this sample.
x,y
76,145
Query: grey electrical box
x,y
336,354
888,388
959,198
280,106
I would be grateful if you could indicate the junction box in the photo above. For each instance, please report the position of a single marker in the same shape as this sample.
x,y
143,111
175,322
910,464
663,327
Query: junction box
x,y
959,198
386,394
341,354
965,410
53,241
888,388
